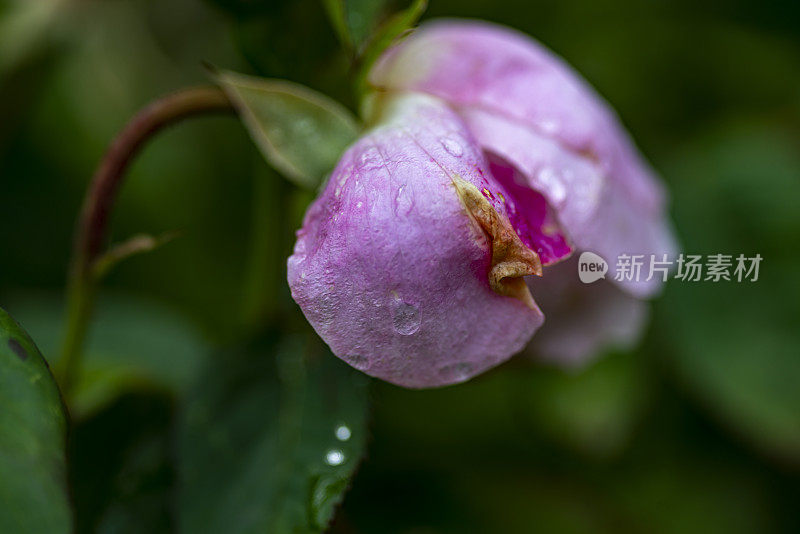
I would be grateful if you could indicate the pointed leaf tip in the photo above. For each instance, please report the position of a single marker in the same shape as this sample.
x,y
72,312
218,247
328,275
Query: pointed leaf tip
x,y
300,132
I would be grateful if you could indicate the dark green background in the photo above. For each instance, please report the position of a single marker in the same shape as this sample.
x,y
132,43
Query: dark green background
x,y
698,430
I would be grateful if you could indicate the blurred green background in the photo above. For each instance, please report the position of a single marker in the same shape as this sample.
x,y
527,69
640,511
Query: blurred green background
x,y
698,430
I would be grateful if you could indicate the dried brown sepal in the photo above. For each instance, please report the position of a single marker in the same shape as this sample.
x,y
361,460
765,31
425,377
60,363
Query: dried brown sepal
x,y
511,259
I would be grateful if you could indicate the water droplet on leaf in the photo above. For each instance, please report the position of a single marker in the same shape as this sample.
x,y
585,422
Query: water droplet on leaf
x,y
334,457
342,432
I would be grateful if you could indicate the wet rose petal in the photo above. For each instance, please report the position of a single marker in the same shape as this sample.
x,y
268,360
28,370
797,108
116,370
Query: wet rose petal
x,y
530,214
526,105
392,270
583,320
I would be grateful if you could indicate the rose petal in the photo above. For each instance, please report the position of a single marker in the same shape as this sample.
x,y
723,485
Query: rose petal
x,y
530,214
583,320
526,105
597,214
392,270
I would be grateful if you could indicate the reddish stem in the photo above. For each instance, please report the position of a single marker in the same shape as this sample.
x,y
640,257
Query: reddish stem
x,y
92,229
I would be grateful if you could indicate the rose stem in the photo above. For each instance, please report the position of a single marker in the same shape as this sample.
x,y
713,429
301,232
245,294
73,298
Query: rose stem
x,y
92,227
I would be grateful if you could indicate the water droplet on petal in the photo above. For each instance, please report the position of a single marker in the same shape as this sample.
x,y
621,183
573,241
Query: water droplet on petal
x,y
404,203
406,318
370,160
548,126
553,185
326,305
453,147
357,361
334,457
456,372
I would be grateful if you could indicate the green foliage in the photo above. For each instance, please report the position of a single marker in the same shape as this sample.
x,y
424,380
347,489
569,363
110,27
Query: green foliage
x,y
33,429
735,345
269,439
365,35
134,344
23,28
387,34
354,20
300,132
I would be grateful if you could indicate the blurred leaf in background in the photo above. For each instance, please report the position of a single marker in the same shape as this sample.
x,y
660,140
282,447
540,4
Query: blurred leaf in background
x,y
366,29
134,344
354,20
24,27
737,345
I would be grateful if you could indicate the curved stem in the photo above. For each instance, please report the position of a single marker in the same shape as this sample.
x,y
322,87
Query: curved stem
x,y
92,228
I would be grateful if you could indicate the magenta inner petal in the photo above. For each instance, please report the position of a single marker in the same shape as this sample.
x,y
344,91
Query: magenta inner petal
x,y
529,213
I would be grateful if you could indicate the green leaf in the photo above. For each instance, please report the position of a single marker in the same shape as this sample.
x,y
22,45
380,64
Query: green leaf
x,y
393,29
354,20
270,439
33,428
24,30
740,359
734,345
337,13
133,344
300,132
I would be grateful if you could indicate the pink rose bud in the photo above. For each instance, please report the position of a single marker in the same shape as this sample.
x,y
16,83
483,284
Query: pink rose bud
x,y
489,160
410,264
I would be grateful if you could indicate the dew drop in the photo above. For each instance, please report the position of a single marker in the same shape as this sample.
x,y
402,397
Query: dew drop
x,y
357,361
453,147
324,311
370,160
342,432
552,183
334,457
456,372
406,318
548,126
403,201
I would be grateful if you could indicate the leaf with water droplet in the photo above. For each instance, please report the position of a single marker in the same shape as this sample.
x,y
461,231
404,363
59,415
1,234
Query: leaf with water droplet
x,y
270,439
33,432
300,132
